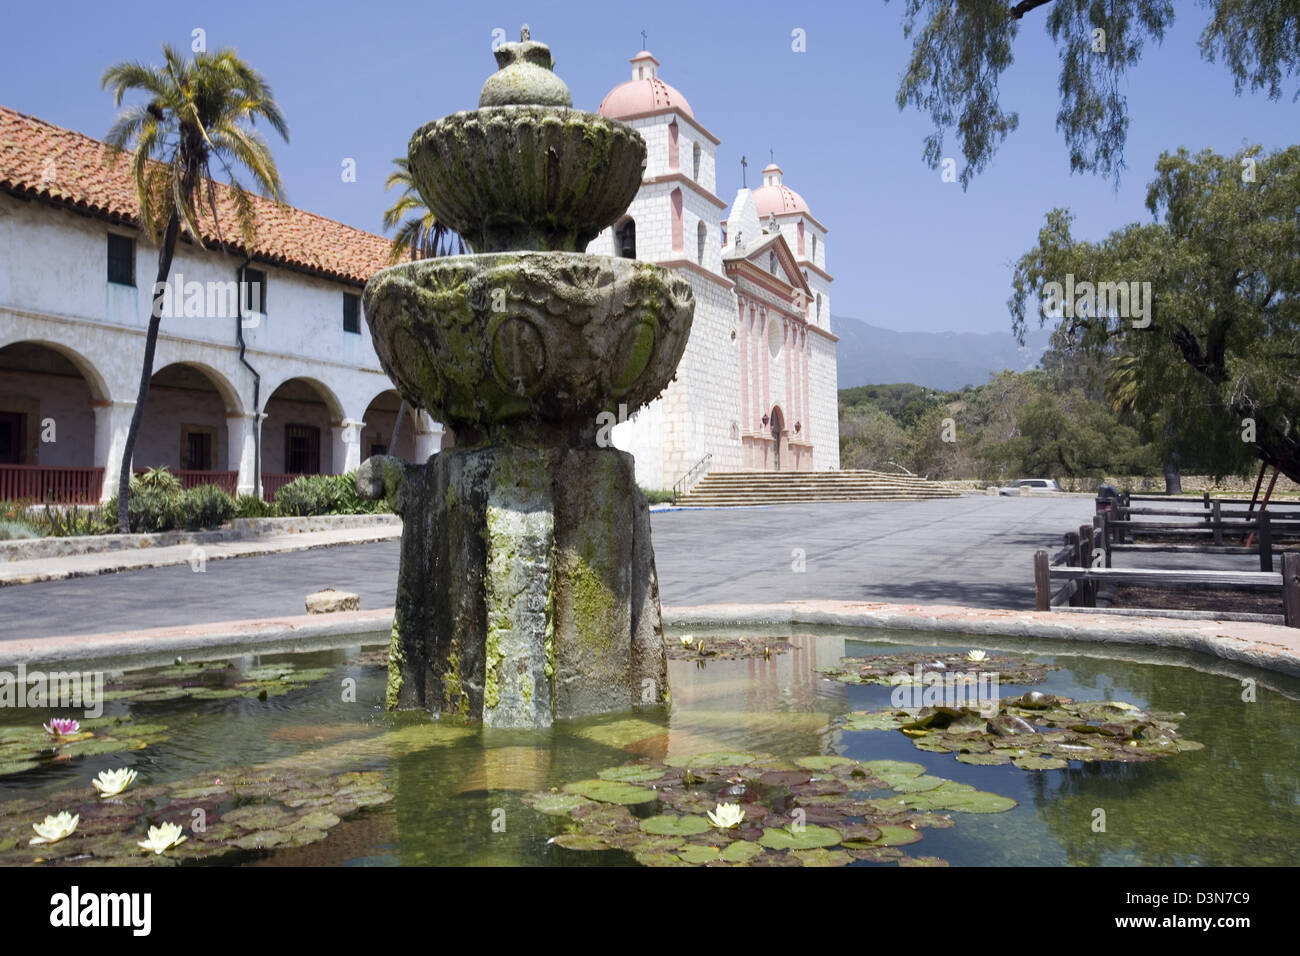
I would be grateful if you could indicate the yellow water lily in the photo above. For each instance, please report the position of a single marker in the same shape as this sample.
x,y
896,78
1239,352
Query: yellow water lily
x,y
163,838
726,816
975,656
112,782
54,829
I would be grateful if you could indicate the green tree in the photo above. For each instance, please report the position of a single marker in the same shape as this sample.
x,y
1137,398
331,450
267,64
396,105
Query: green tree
x,y
961,48
1216,365
197,110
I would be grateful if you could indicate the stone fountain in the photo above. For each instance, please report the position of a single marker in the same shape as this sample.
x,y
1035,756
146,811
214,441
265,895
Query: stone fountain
x,y
527,589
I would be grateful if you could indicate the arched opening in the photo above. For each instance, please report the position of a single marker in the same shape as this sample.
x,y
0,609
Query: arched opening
x,y
777,422
389,428
814,244
675,199
702,237
771,263
48,396
625,238
672,145
695,151
184,426
297,433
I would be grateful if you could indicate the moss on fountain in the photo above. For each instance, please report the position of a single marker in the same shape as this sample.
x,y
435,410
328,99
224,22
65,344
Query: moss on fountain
x,y
396,664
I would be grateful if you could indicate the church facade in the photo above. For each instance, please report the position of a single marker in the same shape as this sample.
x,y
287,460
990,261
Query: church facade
x,y
756,387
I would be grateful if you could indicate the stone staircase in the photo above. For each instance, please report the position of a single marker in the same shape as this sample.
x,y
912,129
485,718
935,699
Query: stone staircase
x,y
722,488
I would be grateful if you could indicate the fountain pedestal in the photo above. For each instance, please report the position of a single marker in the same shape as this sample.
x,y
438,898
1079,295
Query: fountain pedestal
x,y
527,589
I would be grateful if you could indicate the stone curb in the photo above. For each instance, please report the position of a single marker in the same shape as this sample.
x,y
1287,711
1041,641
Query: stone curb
x,y
240,529
95,563
1266,646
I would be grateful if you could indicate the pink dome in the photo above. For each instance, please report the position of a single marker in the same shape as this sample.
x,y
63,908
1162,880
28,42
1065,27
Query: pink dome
x,y
772,197
644,93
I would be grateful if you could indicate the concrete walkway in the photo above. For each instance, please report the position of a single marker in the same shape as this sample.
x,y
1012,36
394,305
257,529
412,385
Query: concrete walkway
x,y
975,551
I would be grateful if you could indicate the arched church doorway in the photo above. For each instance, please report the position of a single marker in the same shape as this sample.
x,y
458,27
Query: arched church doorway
x,y
778,426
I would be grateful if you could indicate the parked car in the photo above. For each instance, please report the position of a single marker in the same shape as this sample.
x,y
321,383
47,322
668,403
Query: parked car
x,y
1034,484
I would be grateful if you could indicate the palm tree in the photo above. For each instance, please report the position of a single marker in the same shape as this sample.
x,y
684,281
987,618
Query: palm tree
x,y
198,110
420,235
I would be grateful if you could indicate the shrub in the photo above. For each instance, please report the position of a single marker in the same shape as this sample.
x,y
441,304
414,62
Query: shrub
x,y
157,479
13,530
252,506
148,511
656,497
206,506
309,495
351,503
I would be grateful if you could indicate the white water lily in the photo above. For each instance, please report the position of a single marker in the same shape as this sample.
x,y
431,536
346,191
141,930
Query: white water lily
x,y
976,656
54,829
163,838
112,782
688,640
726,816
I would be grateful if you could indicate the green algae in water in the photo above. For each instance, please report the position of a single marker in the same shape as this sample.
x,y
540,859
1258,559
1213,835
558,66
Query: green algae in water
x,y
1248,771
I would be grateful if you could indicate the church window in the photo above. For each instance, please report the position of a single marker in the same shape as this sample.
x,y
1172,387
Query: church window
x,y
819,307
702,233
814,248
625,239
672,145
696,152
771,262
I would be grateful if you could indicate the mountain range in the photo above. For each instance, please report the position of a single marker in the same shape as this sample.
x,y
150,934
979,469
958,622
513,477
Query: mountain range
x,y
871,355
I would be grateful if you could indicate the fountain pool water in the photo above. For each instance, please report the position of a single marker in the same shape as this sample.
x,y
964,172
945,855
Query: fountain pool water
x,y
408,788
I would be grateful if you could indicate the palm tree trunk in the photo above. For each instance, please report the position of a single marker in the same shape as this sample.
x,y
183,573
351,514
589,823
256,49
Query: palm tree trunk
x,y
165,255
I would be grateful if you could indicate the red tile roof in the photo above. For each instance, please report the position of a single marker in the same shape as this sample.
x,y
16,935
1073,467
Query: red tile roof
x,y
79,179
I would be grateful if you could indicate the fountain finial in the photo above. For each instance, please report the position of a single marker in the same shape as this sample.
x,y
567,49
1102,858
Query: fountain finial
x,y
524,76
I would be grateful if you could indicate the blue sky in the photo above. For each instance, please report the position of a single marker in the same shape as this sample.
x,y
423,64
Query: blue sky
x,y
907,250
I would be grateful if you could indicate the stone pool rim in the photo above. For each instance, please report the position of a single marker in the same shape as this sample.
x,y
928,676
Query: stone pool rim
x,y
1269,647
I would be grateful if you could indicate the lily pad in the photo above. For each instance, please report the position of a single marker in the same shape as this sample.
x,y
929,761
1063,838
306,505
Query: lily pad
x,y
805,838
823,857
611,791
859,720
633,773
671,825
581,841
696,853
894,768
741,851
921,861
724,758
891,835
1041,763
828,762
984,760
915,784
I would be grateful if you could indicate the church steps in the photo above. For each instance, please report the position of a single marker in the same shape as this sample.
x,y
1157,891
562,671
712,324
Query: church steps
x,y
723,489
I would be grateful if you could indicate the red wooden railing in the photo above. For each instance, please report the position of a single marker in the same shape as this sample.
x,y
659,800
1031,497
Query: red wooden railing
x,y
272,482
64,485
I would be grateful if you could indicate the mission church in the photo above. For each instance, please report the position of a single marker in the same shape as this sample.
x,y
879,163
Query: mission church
x,y
756,388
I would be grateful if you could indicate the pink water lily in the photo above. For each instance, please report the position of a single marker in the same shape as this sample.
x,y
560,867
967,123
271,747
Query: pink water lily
x,y
62,726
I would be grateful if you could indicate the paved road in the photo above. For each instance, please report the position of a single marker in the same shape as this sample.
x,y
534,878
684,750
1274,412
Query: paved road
x,y
974,551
